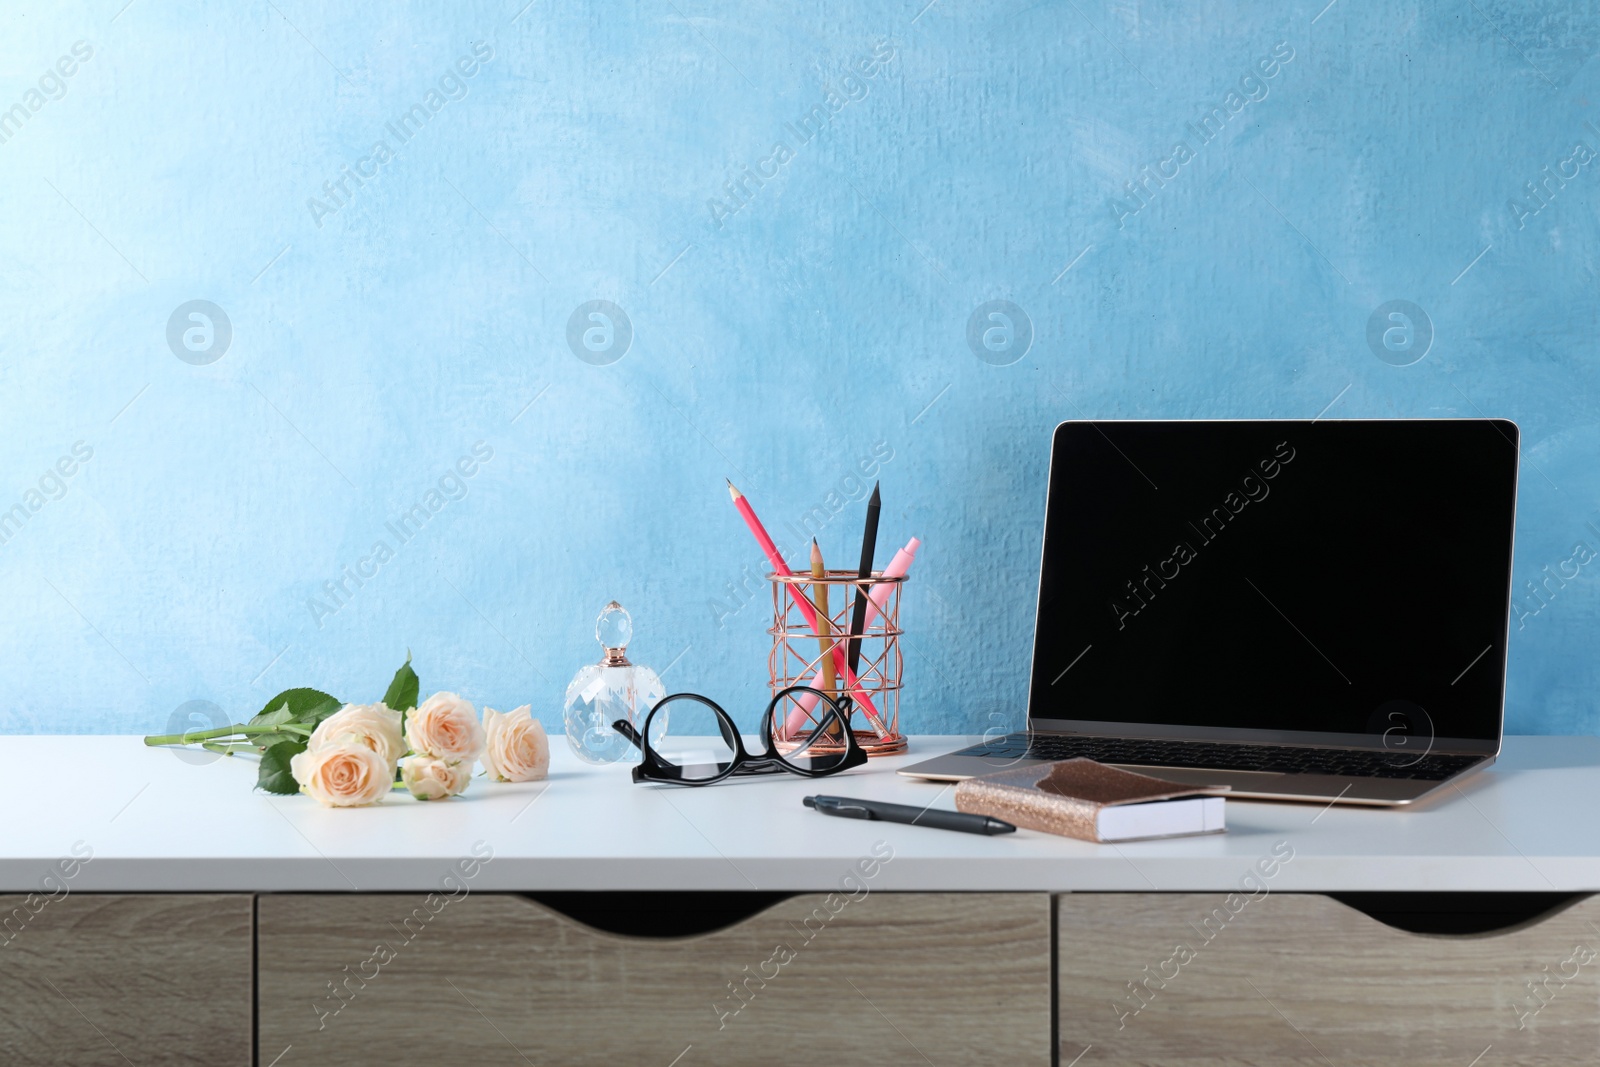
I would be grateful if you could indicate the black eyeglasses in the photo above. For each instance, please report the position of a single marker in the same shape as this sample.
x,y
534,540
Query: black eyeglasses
x,y
696,742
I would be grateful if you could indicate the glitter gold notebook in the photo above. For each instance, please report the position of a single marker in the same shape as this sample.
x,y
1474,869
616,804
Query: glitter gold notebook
x,y
1090,801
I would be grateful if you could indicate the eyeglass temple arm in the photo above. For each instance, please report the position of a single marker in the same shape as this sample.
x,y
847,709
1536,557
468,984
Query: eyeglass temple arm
x,y
625,728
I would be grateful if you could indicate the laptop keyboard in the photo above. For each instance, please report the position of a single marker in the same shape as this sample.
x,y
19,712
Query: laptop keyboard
x,y
1207,755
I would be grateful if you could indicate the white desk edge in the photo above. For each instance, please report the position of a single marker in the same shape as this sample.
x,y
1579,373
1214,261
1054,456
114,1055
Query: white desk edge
x,y
155,823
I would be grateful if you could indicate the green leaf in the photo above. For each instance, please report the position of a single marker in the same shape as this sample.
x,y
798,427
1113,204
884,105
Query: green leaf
x,y
272,718
313,717
274,776
402,692
307,706
262,742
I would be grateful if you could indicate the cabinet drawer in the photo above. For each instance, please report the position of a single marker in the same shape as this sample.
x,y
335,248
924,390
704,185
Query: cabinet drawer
x,y
1208,979
502,979
97,978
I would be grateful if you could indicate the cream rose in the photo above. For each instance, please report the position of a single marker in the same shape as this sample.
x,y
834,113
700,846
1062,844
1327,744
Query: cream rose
x,y
517,749
372,725
445,727
343,773
430,778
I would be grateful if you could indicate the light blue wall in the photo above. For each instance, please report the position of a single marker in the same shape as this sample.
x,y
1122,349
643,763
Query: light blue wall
x,y
777,345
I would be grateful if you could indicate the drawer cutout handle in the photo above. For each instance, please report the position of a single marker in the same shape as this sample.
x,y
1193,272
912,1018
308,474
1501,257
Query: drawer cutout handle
x,y
1458,914
659,913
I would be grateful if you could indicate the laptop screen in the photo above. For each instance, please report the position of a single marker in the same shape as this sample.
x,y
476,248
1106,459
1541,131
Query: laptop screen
x,y
1257,579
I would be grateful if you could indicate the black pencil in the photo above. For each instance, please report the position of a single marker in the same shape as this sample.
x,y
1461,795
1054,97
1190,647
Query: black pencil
x,y
869,545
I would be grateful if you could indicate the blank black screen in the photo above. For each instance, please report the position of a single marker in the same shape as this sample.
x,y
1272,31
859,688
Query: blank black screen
x,y
1278,576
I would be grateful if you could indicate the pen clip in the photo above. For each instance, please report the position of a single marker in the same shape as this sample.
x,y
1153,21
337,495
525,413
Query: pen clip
x,y
852,811
840,806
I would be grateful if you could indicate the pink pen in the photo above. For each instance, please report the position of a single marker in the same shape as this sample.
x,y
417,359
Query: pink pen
x,y
877,597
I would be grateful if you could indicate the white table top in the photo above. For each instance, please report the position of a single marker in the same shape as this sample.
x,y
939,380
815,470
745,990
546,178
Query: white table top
x,y
157,823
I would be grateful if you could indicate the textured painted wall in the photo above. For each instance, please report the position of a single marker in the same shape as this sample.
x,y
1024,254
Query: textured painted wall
x,y
1192,209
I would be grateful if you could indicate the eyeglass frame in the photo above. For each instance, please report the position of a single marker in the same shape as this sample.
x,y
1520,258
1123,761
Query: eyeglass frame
x,y
653,768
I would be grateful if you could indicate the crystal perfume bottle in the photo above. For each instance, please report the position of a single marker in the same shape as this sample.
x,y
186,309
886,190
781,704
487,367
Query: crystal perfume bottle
x,y
612,689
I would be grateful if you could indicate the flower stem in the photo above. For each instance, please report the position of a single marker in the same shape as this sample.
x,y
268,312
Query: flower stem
x,y
194,737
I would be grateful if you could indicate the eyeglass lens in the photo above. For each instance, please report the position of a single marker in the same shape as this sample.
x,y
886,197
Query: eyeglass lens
x,y
689,736
807,734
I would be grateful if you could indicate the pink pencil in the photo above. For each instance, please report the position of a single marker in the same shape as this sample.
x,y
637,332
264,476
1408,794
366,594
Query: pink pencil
x,y
876,599
807,611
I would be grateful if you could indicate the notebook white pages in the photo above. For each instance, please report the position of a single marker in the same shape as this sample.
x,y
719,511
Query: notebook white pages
x,y
1162,818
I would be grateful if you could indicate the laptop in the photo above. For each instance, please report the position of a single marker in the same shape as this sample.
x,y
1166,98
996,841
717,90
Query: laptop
x,y
1313,611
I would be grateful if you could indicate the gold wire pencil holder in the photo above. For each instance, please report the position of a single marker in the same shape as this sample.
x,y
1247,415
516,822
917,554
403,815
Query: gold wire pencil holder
x,y
798,652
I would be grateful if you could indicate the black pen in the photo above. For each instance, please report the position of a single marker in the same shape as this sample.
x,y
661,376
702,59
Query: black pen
x,y
937,818
869,545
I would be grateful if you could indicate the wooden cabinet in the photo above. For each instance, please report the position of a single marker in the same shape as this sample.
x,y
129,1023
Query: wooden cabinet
x,y
501,979
99,978
1171,979
1206,980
